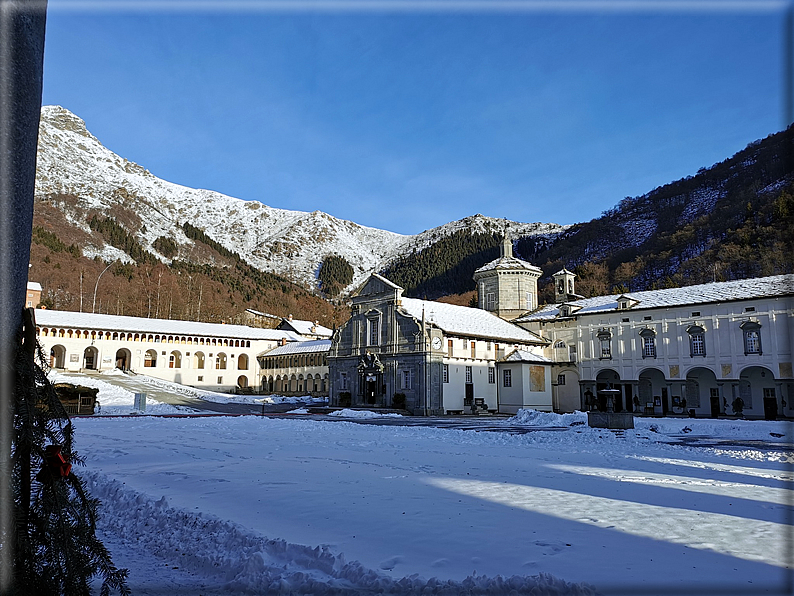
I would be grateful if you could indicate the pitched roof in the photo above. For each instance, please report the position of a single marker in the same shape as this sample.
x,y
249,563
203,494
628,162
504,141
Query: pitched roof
x,y
302,347
526,356
34,285
508,263
305,327
467,321
724,291
82,320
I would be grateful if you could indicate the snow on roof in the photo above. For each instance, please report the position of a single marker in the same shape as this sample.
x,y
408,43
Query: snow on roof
x,y
723,291
467,321
525,356
34,285
315,345
78,320
305,327
261,314
564,271
508,263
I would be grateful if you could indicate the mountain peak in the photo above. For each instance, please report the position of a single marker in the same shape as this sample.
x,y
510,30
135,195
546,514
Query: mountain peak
x,y
62,119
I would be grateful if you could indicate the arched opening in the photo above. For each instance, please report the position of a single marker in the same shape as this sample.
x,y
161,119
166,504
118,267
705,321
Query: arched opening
x,y
567,390
242,362
702,393
58,356
608,384
242,381
198,360
90,358
652,389
760,394
175,359
150,359
123,359
220,361
293,384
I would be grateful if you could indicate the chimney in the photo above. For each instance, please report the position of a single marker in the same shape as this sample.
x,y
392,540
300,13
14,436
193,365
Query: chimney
x,y
283,341
289,318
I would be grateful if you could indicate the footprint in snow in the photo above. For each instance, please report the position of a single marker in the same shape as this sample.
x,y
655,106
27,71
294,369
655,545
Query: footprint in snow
x,y
391,562
549,548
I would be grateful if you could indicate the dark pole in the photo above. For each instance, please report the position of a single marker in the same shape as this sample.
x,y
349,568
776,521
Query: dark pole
x,y
22,26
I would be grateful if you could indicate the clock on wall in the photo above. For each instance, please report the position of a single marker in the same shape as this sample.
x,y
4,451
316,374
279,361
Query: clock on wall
x,y
436,343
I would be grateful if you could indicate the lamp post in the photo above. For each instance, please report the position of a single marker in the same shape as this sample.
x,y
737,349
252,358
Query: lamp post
x,y
97,284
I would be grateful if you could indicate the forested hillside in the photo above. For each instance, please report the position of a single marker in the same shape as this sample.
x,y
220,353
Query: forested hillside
x,y
144,286
445,267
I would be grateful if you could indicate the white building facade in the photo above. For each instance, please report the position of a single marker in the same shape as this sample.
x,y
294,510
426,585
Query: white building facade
x,y
204,355
695,348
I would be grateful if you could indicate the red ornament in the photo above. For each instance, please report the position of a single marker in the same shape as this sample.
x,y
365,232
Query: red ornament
x,y
54,463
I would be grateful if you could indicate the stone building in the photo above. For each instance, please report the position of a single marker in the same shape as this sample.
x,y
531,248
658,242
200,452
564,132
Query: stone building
x,y
507,287
442,358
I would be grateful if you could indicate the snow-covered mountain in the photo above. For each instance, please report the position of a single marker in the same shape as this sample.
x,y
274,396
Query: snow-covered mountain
x,y
78,176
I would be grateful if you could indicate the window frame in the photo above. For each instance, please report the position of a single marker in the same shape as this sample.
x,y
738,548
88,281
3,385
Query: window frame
x,y
507,378
751,337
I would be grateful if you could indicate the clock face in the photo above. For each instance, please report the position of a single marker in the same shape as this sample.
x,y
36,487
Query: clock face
x,y
436,343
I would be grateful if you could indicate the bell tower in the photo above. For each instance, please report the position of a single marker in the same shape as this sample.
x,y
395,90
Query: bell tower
x,y
563,285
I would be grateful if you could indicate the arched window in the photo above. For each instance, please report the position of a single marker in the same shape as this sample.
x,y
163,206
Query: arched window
x,y
242,362
175,359
150,360
198,360
220,361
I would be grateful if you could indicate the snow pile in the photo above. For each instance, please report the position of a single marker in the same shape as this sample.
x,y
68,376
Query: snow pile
x,y
347,413
292,399
298,411
240,560
112,399
752,430
536,418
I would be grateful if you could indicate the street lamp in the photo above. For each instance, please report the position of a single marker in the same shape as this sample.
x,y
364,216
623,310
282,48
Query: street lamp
x,y
97,284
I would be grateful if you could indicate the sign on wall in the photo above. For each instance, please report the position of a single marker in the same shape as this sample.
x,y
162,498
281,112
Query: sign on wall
x,y
537,378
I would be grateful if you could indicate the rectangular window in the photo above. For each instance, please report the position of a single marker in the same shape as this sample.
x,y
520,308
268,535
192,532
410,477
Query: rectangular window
x,y
445,373
468,374
491,375
507,378
529,301
373,332
769,393
343,381
406,379
220,380
488,346
560,379
572,353
698,344
649,347
490,301
646,318
464,345
752,343
201,378
606,348
473,349
749,309
449,348
696,313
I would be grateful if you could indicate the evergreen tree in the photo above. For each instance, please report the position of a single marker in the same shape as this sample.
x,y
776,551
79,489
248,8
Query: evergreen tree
x,y
56,550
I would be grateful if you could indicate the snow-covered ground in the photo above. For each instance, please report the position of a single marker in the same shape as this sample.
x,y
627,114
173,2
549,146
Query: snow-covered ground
x,y
251,504
115,400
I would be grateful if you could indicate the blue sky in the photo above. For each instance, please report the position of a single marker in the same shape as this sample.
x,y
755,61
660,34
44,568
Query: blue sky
x,y
405,120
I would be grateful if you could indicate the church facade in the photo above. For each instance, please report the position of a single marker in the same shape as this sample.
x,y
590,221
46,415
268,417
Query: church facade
x,y
434,358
